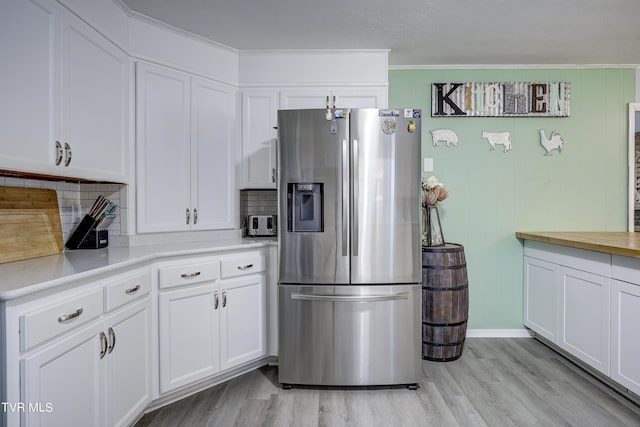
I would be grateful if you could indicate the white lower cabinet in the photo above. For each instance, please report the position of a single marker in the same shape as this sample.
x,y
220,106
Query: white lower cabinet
x,y
189,334
566,300
66,381
541,297
83,354
243,320
584,318
96,376
210,322
625,345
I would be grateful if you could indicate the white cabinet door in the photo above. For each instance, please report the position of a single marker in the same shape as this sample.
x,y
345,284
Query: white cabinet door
x,y
128,379
360,98
163,158
259,121
29,84
67,380
243,320
291,99
94,103
584,317
189,335
625,345
213,155
541,297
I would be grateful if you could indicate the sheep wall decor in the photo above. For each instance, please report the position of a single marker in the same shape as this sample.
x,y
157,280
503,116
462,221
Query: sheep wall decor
x,y
549,144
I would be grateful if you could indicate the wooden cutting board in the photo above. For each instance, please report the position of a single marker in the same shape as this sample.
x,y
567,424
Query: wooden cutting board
x,y
25,233
29,223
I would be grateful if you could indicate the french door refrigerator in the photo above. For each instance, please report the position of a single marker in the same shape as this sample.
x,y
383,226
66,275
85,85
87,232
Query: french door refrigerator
x,y
349,247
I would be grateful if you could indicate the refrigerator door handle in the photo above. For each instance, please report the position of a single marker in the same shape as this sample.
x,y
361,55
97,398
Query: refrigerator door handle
x,y
354,209
345,197
349,298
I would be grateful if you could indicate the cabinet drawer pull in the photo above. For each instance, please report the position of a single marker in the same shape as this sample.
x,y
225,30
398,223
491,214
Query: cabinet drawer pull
x,y
195,216
190,275
132,290
216,300
112,340
70,316
103,345
224,298
245,267
188,216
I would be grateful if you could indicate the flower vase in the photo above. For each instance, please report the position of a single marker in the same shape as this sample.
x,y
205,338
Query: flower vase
x,y
431,227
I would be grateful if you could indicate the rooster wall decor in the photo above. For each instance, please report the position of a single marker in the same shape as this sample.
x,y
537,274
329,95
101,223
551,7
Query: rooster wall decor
x,y
555,143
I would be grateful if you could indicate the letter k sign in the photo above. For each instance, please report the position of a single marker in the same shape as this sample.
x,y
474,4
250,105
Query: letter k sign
x,y
442,98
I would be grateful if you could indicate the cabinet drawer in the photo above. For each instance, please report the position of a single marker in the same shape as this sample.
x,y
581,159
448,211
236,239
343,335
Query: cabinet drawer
x,y
239,265
40,325
127,287
188,273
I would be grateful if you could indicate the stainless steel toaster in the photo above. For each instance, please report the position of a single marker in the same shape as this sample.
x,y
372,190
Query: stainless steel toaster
x,y
262,225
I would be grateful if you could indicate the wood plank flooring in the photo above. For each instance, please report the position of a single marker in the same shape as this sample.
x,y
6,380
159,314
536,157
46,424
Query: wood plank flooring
x,y
496,382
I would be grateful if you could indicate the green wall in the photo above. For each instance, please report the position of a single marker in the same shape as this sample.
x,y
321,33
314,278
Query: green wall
x,y
494,194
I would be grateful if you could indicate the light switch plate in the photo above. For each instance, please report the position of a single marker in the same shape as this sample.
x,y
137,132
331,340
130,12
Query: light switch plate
x,y
428,165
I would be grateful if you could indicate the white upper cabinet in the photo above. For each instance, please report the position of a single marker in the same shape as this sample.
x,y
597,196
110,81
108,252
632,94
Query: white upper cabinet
x,y
95,104
29,116
185,152
259,121
68,87
291,99
213,155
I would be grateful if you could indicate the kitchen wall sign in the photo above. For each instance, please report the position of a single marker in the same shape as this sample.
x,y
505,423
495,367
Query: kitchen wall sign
x,y
509,99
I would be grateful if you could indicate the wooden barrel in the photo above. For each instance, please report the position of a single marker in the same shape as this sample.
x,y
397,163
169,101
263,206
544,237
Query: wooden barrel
x,y
445,302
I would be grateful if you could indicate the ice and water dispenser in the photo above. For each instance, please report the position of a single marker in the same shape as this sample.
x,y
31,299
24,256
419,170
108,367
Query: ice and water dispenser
x,y
305,211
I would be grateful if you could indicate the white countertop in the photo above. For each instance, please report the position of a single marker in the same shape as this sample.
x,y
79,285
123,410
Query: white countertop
x,y
21,278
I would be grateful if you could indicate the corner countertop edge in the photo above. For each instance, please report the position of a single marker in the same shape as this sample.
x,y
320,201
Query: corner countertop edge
x,y
612,242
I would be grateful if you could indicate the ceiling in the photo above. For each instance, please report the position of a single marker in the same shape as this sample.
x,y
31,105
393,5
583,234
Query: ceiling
x,y
422,32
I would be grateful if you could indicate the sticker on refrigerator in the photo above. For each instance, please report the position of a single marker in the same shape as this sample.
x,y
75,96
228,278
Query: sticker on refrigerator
x,y
388,113
412,126
410,113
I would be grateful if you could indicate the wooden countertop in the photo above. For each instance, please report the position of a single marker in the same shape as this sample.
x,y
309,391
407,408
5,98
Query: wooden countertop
x,y
616,243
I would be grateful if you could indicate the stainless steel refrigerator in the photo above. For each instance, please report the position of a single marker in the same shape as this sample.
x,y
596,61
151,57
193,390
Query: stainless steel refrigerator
x,y
349,247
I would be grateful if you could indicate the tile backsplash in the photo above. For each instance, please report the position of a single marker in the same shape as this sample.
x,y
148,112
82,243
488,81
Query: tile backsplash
x,y
75,199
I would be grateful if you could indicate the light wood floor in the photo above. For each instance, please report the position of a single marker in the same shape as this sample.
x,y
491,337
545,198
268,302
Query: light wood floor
x,y
496,382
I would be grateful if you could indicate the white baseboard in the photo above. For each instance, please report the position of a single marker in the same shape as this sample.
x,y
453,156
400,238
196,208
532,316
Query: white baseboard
x,y
499,333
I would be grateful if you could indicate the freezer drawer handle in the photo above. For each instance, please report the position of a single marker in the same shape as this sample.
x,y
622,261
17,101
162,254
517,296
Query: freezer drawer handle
x,y
350,298
70,316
